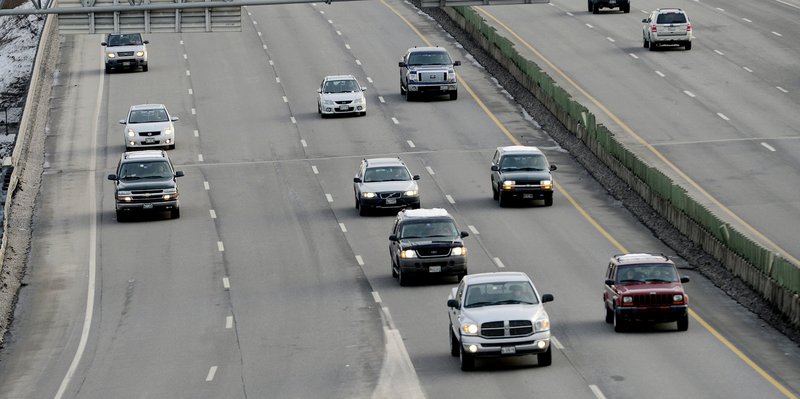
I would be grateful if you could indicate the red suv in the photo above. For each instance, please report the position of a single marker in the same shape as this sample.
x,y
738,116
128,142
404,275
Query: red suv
x,y
646,288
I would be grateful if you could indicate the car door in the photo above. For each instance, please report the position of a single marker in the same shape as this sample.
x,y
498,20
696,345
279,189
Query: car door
x,y
609,292
454,313
495,173
359,175
404,71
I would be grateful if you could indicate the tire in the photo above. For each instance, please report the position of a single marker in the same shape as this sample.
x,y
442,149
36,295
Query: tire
x,y
609,316
403,281
460,276
175,213
122,217
453,96
619,324
108,69
144,68
683,323
402,89
502,200
548,201
652,46
171,147
590,5
362,211
394,272
545,358
319,109
495,194
455,346
466,360
645,43
626,8
596,10
409,96
688,46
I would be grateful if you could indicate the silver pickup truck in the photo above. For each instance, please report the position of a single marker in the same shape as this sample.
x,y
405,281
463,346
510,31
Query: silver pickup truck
x,y
496,315
428,70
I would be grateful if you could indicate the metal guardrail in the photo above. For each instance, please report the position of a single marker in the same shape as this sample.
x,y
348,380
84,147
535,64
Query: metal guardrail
x,y
10,118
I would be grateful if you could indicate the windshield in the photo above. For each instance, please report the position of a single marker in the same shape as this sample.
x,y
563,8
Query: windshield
x,y
124,40
429,58
643,273
502,293
523,162
341,86
145,170
148,115
429,229
387,173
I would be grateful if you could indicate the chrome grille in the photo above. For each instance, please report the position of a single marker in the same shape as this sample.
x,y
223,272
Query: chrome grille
x,y
433,252
390,195
505,329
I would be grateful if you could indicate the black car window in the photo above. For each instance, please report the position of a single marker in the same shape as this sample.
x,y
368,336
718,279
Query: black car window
x,y
388,173
671,18
511,292
148,115
523,162
341,86
429,58
145,170
124,40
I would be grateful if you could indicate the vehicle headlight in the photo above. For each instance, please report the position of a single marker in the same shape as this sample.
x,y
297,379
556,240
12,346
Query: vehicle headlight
x,y
168,130
451,74
469,328
408,253
327,102
547,184
170,194
508,184
124,196
413,76
627,300
131,133
541,325
677,298
368,195
140,53
359,100
411,193
110,55
459,251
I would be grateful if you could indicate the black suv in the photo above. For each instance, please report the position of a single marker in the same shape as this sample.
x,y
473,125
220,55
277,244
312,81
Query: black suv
x,y
426,242
146,181
521,172
384,183
595,5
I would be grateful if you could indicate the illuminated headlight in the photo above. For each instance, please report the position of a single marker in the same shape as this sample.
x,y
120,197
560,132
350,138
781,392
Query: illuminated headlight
x,y
327,102
110,55
547,184
131,133
459,251
408,253
677,298
508,184
411,193
412,76
469,328
124,196
170,194
168,131
368,195
542,325
627,300
140,53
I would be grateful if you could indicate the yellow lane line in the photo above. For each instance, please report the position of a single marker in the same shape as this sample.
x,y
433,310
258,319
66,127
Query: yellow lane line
x,y
641,141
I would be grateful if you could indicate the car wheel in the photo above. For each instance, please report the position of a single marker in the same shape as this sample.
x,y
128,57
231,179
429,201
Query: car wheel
x,y
596,9
409,96
176,213
319,109
402,278
356,201
171,147
619,323
548,201
626,8
645,43
495,195
545,358
455,346
688,46
402,89
460,276
466,360
652,46
609,316
108,69
590,5
453,96
502,200
122,217
144,68
394,272
683,323
362,210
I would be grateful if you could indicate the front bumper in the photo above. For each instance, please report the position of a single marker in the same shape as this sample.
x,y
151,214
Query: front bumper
x,y
483,347
526,193
432,88
151,141
653,314
445,266
385,203
125,62
157,206
340,109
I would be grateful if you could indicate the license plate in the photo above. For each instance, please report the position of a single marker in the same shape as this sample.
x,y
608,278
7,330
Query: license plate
x,y
391,201
126,63
527,195
435,269
672,29
149,141
612,2
147,206
344,107
508,350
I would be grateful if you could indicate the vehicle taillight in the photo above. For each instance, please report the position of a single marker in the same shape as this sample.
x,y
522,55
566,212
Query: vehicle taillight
x,y
688,27
653,28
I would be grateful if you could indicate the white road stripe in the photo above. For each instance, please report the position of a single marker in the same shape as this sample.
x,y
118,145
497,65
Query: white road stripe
x,y
570,14
344,229
194,111
188,73
321,12
339,33
358,62
498,262
264,46
719,52
788,4
647,12
330,21
255,22
271,63
226,283
721,9
369,79
777,34
769,147
721,115
380,98
360,260
782,89
229,322
597,392
303,143
314,169
181,41
659,73
689,93
347,46
277,79
376,297
610,39
212,213
430,170
396,122
328,197
259,34
199,157
286,100
747,69
473,229
211,373
191,92
450,199
220,247
589,26
206,186
196,133
634,55
746,20
294,121
410,143
556,342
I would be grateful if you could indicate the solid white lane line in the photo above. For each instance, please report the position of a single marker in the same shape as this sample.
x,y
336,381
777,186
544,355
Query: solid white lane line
x,y
777,34
369,79
347,46
410,143
746,20
376,297
782,89
194,111
556,342
303,143
597,392
196,133
229,322
220,247
211,373
430,170
610,39
788,4
286,100
314,169
633,55
473,229
199,157
212,213
344,229
328,197
181,42
188,73
360,260
206,186
719,52
450,199
498,262
721,115
226,283
747,69
380,98
769,147
191,92
659,73
294,121
358,62
689,93
396,122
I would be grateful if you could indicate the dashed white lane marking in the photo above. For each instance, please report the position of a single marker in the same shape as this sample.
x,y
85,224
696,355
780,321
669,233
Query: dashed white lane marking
x,y
196,133
277,79
181,41
450,199
188,73
777,34
746,20
194,111
212,213
328,197
498,262
199,157
659,73
589,26
410,143
647,12
286,100
570,14
226,283
556,342
719,52
321,12
689,93
338,32
206,185
747,69
185,57
782,89
264,46
597,392
314,169
191,92
220,247
347,46
721,115
342,226
360,260
721,9
769,147
396,122
358,62
473,229
376,297
259,34
303,143
369,79
380,98
211,373
294,121
330,21
229,322
633,55
255,22
611,39
271,63
430,170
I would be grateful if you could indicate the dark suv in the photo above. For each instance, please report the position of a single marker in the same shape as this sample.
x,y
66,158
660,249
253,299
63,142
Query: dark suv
x,y
384,183
595,5
646,288
426,242
522,173
146,181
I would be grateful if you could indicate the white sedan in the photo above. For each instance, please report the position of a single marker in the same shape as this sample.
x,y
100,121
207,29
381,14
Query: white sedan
x,y
341,94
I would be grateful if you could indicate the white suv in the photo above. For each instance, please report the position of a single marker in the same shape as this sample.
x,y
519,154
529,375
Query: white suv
x,y
149,125
667,26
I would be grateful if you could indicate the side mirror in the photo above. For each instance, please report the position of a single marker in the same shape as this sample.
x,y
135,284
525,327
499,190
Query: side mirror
x,y
416,177
122,122
393,237
495,168
356,180
453,303
104,44
645,20
363,88
319,90
547,298
174,119
401,64
553,167
112,177
146,42
610,282
456,63
464,234
684,279
178,173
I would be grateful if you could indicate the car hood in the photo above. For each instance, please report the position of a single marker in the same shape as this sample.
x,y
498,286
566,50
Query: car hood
x,y
349,96
117,49
146,184
431,242
526,175
645,288
384,186
149,127
423,68
504,312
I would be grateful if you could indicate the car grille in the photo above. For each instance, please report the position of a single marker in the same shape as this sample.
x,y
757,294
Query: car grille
x,y
530,183
149,134
653,300
139,196
390,195
344,102
505,329
125,53
433,252
436,76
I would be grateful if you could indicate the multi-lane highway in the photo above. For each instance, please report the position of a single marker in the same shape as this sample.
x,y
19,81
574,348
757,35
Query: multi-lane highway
x,y
271,286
